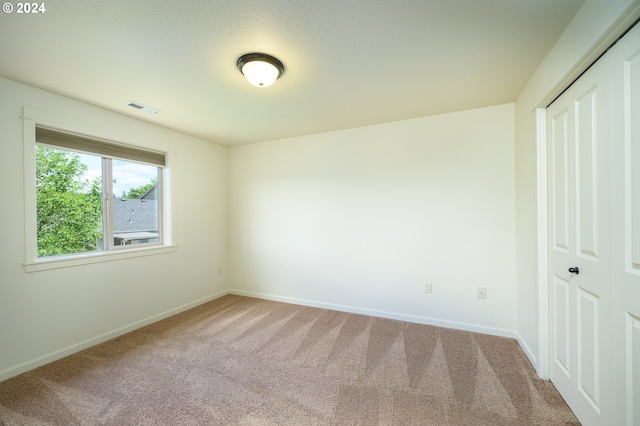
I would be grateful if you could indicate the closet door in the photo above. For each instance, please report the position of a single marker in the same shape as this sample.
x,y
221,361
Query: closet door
x,y
625,203
579,251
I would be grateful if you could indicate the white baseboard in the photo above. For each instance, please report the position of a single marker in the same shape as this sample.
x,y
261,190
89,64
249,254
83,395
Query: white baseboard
x,y
528,352
495,331
77,347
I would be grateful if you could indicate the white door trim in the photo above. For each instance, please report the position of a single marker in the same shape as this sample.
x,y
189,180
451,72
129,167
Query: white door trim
x,y
543,250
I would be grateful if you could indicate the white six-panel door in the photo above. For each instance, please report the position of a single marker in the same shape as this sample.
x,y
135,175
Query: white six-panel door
x,y
625,235
579,238
593,146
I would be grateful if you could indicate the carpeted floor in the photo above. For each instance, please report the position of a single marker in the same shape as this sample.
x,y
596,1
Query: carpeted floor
x,y
244,361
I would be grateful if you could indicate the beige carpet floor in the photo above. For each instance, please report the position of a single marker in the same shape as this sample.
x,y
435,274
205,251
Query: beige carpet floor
x,y
244,361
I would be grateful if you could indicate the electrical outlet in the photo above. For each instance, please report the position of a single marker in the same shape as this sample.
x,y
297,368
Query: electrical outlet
x,y
427,287
482,293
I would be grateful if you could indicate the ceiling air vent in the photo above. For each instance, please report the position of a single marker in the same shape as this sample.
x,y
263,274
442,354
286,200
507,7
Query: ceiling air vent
x,y
138,105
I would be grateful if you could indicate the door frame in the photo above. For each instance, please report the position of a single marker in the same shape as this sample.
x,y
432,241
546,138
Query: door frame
x,y
616,31
543,368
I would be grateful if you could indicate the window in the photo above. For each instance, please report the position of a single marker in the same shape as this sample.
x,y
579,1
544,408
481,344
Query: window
x,y
94,195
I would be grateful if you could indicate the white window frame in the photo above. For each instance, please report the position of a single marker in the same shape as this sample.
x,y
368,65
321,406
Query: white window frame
x,y
33,118
108,217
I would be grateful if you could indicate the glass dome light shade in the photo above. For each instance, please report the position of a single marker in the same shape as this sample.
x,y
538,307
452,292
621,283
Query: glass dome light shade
x,y
260,74
260,69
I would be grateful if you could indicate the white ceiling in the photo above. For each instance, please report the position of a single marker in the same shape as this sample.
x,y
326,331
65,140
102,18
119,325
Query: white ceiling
x,y
349,63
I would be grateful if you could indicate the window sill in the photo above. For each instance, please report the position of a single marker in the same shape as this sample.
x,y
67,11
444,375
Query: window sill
x,y
57,262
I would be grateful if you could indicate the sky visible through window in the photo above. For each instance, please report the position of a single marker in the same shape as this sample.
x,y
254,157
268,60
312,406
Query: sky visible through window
x,y
127,174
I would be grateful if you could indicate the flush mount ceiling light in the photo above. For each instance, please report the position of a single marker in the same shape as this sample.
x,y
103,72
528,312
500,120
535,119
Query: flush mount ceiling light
x,y
260,69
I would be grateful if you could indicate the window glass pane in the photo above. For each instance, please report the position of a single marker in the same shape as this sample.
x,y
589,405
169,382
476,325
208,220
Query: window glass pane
x,y
69,202
135,203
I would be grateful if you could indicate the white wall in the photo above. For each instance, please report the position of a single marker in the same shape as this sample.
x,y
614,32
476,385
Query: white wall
x,y
45,315
587,34
360,219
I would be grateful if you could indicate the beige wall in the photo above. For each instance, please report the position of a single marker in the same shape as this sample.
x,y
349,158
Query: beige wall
x,y
360,219
47,314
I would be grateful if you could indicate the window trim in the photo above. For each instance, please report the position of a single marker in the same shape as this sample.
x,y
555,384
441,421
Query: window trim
x,y
33,118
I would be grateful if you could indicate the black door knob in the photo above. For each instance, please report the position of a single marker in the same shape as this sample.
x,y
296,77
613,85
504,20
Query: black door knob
x,y
575,270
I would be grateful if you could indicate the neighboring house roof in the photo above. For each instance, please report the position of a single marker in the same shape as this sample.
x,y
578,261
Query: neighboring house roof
x,y
151,194
135,215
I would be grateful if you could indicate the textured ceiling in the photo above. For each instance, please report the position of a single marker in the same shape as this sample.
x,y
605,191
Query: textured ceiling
x,y
348,63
